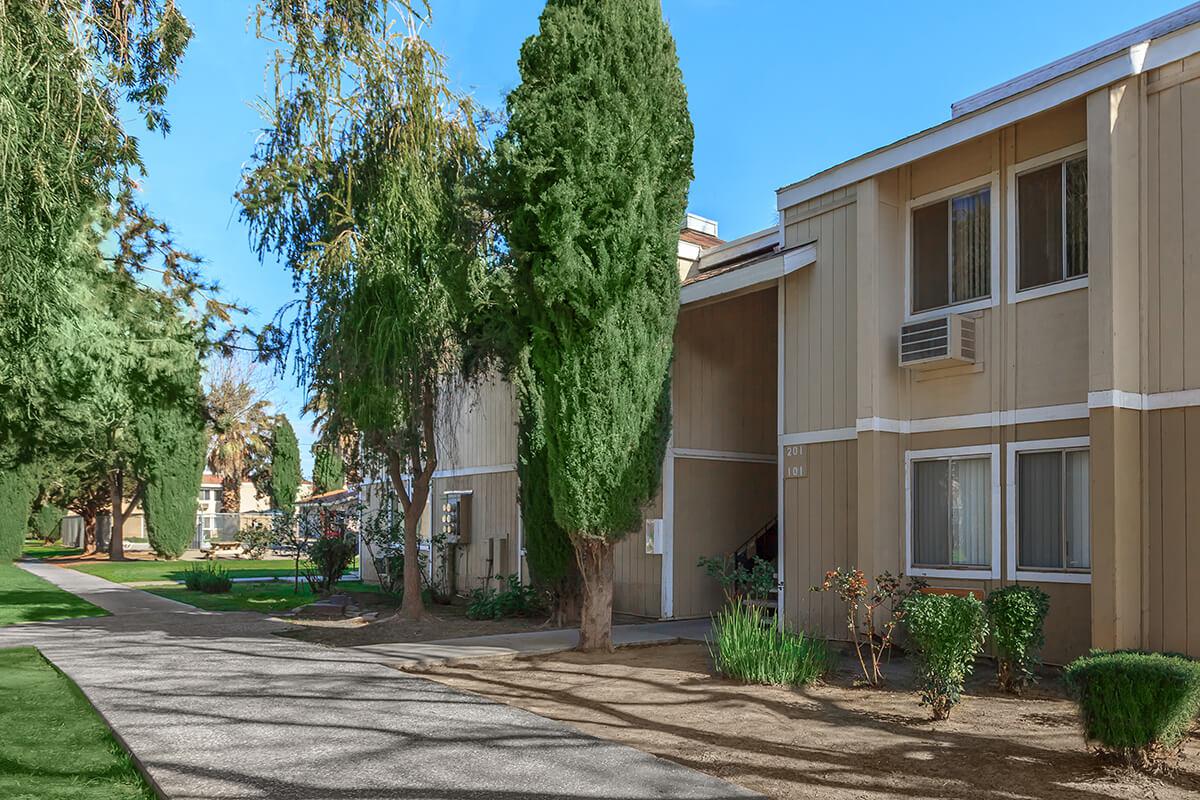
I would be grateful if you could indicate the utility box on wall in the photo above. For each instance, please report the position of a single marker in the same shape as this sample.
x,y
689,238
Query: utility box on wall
x,y
456,517
654,537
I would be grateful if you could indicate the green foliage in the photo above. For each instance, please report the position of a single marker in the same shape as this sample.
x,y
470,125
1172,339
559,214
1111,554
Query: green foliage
x,y
513,599
590,186
736,581
1138,706
18,491
285,466
1017,617
331,554
329,472
209,578
46,521
749,646
170,434
947,632
257,538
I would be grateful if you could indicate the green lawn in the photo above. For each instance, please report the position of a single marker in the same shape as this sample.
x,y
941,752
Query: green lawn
x,y
53,746
37,549
269,597
28,598
135,571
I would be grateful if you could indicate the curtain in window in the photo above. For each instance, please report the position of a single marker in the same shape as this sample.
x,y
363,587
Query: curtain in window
x,y
970,511
1076,214
1039,227
930,498
1039,517
971,225
1077,514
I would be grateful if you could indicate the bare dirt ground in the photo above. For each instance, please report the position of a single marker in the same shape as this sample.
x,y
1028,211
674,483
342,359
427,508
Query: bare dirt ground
x,y
828,741
441,622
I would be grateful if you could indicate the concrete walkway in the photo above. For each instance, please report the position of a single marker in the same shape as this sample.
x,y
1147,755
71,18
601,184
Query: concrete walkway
x,y
214,706
112,597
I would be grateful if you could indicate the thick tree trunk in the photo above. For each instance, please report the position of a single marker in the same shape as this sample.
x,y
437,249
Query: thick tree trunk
x,y
595,557
413,605
231,495
89,532
116,536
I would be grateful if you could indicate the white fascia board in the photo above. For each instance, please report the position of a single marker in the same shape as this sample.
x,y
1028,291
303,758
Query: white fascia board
x,y
688,250
1135,60
765,271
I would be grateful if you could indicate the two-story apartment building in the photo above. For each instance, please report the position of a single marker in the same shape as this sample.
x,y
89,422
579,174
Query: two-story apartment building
x,y
971,355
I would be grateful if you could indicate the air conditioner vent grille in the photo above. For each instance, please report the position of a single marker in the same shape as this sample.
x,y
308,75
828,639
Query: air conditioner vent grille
x,y
938,342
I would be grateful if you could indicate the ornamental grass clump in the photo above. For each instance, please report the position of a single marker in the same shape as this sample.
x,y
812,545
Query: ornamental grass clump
x,y
1017,618
749,646
1136,706
210,578
947,632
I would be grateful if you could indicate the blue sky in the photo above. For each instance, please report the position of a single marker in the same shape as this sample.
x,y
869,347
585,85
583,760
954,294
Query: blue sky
x,y
778,90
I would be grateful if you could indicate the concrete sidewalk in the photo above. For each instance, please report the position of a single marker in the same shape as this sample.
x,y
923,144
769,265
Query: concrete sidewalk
x,y
214,706
112,597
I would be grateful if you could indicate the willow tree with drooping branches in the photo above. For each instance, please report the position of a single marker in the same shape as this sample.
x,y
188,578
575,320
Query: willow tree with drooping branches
x,y
591,183
357,184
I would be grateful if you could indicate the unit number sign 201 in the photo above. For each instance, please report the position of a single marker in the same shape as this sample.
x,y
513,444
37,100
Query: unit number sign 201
x,y
793,461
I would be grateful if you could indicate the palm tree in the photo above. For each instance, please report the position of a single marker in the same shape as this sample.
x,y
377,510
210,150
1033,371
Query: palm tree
x,y
239,424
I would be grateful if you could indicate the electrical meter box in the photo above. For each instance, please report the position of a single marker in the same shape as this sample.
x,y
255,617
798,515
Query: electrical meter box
x,y
456,517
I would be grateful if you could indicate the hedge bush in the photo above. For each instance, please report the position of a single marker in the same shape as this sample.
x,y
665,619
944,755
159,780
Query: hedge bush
x,y
18,491
1017,617
947,632
211,578
46,522
749,646
1137,706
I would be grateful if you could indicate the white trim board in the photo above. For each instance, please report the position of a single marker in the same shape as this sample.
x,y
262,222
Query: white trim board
x,y
817,437
666,608
1134,401
992,572
724,455
1134,60
459,472
1010,503
765,271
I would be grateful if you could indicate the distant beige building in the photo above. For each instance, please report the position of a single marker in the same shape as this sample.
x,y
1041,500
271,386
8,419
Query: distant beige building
x,y
969,355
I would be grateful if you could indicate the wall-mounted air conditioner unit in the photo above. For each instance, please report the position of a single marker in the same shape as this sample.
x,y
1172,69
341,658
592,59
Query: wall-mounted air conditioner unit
x,y
937,343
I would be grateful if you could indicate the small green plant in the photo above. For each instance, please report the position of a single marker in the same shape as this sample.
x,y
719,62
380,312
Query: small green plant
x,y
330,555
513,599
737,581
748,646
1136,706
1017,618
210,578
257,538
871,614
948,632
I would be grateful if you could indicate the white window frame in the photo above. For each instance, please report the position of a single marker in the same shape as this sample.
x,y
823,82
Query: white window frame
x,y
990,181
992,451
1014,450
1015,171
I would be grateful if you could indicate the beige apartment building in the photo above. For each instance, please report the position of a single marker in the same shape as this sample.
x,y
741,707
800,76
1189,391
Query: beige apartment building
x,y
969,355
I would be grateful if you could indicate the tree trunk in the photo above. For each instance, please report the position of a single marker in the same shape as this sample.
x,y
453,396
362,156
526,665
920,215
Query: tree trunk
x,y
89,532
595,557
231,495
116,536
413,605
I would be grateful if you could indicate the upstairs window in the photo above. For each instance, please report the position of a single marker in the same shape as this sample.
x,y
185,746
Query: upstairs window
x,y
952,251
1052,224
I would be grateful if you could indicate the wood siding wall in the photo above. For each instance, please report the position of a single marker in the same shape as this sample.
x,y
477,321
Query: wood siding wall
x,y
493,515
478,424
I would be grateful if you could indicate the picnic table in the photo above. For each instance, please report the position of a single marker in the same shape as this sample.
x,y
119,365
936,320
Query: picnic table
x,y
218,547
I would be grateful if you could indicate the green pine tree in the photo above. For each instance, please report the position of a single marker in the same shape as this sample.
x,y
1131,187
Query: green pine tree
x,y
591,184
329,472
285,466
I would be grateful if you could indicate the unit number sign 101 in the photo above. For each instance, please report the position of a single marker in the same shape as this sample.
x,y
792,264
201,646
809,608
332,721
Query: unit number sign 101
x,y
793,461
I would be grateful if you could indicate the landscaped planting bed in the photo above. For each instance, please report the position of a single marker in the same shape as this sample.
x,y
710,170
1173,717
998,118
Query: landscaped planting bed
x,y
268,597
829,740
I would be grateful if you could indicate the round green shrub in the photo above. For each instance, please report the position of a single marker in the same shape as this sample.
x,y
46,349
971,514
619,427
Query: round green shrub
x,y
1136,706
1017,618
948,632
210,578
46,522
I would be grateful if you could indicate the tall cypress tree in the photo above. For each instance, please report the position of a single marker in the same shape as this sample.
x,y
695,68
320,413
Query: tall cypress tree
x,y
285,466
591,184
329,472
